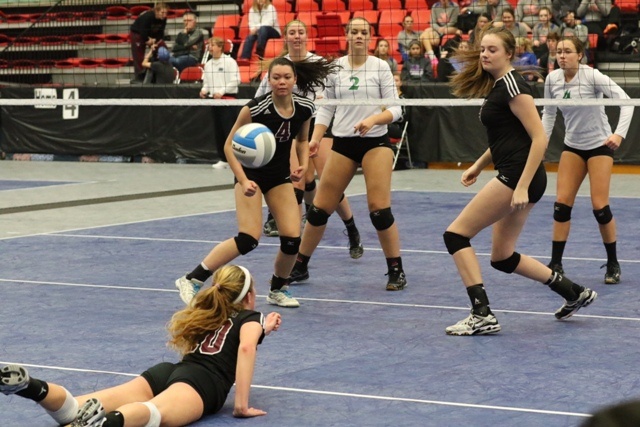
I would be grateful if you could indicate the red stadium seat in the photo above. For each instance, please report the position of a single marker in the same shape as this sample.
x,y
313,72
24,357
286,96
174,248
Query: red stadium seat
x,y
306,5
360,5
117,13
384,5
116,38
114,62
273,48
329,47
372,16
415,5
329,25
138,10
421,19
333,5
390,22
93,38
52,40
89,63
191,75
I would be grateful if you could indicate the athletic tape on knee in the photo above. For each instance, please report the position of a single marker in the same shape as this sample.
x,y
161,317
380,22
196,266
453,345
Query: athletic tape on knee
x,y
508,265
289,245
67,413
310,186
382,219
154,417
561,212
245,243
455,242
316,216
604,215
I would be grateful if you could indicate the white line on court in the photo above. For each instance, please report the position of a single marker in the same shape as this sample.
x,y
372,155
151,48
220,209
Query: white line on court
x,y
335,393
325,300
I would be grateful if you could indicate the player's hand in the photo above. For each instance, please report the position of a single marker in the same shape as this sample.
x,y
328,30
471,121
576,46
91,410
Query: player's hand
x,y
248,413
613,141
520,199
272,322
298,173
249,188
203,95
469,176
314,146
363,127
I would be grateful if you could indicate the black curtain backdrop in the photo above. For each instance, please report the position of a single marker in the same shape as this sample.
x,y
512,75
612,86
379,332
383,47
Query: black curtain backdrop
x,y
436,134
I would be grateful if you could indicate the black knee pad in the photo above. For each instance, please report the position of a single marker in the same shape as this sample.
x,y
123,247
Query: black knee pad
x,y
289,245
604,215
245,243
382,219
299,194
455,242
508,265
113,419
561,212
316,216
310,186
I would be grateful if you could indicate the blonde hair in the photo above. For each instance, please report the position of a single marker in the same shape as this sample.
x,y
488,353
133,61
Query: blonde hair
x,y
209,309
285,49
524,42
256,6
473,81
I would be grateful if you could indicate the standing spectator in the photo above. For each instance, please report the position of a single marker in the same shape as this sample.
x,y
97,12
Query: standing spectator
x,y
189,45
417,69
263,25
360,139
598,16
589,145
527,11
517,143
406,36
146,30
560,8
287,115
172,394
160,71
382,51
221,78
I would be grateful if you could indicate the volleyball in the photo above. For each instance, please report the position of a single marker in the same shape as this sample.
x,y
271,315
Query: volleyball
x,y
253,145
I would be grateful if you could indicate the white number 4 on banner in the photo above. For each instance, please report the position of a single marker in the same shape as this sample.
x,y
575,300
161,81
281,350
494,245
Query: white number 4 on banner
x,y
70,112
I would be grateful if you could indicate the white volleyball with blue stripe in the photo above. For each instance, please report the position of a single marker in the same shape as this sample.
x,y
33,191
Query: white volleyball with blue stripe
x,y
254,145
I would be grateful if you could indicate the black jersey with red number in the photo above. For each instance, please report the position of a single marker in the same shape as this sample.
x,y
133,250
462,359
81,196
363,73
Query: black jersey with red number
x,y
509,141
285,129
218,350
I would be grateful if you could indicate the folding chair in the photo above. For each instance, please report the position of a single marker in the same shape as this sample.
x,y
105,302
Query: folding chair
x,y
404,138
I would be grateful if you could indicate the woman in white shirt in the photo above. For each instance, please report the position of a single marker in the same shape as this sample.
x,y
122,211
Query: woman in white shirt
x,y
589,145
263,25
360,139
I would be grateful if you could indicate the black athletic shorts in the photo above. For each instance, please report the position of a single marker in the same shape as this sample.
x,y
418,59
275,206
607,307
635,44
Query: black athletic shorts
x,y
587,154
510,178
265,181
356,147
210,388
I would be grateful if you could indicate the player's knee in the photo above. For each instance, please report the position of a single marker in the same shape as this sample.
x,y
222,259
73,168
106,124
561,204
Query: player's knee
x,y
289,245
316,216
604,215
508,265
299,194
341,198
245,243
455,242
382,219
561,212
310,186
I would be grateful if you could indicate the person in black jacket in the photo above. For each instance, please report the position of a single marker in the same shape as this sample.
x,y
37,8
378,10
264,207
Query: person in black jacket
x,y
189,45
146,30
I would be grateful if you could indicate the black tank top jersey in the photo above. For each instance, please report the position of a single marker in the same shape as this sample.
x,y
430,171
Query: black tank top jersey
x,y
218,351
509,141
284,129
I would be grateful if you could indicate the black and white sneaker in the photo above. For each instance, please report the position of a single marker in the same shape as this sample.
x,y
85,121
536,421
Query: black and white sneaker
x,y
612,276
299,273
355,245
13,378
586,297
397,280
475,325
91,414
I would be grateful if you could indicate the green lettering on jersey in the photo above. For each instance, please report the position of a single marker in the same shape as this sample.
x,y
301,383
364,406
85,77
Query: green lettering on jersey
x,y
567,94
354,83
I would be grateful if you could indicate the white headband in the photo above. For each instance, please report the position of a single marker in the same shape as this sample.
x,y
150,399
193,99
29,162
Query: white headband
x,y
247,284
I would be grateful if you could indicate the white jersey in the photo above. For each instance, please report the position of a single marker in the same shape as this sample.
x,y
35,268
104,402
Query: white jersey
x,y
221,75
586,127
373,80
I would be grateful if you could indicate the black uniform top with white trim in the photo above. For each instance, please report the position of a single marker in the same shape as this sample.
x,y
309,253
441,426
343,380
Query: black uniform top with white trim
x,y
218,350
285,129
509,141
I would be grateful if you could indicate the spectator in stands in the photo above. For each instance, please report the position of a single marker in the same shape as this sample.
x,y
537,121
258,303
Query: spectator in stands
x,y
147,30
263,25
518,29
541,31
548,60
495,8
483,21
221,79
448,64
417,69
157,62
189,45
444,17
406,36
526,61
599,16
572,27
560,8
382,52
527,11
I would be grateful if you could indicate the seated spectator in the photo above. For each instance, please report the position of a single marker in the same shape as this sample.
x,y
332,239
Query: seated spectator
x,y
547,61
158,64
518,29
483,21
444,17
417,68
572,27
541,31
526,61
599,16
527,11
263,25
146,30
560,8
406,36
221,79
382,52
496,7
448,64
189,44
